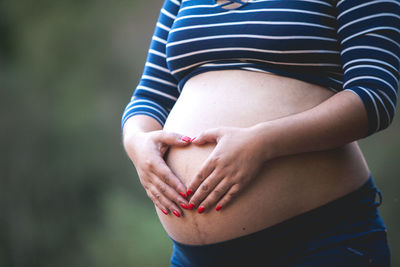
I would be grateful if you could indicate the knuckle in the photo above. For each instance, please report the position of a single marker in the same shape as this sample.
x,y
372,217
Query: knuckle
x,y
205,187
151,189
217,192
149,180
157,195
198,179
148,164
154,191
166,179
163,189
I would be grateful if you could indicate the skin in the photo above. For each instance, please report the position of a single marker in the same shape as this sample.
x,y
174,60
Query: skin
x,y
337,121
257,159
146,144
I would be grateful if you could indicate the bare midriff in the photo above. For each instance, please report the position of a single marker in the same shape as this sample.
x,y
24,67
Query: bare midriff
x,y
286,186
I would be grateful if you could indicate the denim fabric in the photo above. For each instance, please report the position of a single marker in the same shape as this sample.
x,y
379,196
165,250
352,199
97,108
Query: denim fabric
x,y
345,232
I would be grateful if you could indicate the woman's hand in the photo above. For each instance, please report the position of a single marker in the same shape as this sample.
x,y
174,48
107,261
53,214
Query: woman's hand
x,y
146,150
234,162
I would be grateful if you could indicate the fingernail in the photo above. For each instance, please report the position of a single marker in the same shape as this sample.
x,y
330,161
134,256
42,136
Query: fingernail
x,y
182,194
186,139
177,214
218,208
189,192
184,206
201,209
191,206
164,211
193,139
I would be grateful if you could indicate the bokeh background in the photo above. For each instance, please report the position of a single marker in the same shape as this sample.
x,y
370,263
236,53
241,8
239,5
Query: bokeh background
x,y
69,196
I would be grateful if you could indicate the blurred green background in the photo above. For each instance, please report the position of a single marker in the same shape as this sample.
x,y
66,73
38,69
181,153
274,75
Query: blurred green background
x,y
68,194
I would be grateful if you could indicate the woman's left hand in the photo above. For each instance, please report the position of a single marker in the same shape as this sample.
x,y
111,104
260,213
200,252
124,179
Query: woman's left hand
x,y
234,162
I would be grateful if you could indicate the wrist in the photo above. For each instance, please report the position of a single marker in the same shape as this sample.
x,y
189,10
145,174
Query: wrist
x,y
132,142
139,125
266,139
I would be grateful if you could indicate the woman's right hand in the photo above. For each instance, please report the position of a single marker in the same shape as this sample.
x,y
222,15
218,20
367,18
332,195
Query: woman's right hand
x,y
146,150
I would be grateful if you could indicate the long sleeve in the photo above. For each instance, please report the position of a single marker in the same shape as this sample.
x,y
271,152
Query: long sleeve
x,y
369,35
157,90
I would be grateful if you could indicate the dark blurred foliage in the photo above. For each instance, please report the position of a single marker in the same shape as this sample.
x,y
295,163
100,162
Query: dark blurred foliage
x,y
68,194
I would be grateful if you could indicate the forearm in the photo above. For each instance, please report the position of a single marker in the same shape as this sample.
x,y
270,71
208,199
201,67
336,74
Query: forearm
x,y
339,120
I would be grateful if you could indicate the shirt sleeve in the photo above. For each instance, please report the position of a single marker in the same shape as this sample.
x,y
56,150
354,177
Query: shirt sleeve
x,y
369,35
157,90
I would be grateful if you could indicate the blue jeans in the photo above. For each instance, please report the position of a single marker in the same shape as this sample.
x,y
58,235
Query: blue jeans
x,y
345,232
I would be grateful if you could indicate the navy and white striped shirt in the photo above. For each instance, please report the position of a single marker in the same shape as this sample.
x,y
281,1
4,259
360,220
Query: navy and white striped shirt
x,y
349,45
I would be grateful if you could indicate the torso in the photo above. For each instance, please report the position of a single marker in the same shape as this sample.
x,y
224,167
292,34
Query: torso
x,y
287,186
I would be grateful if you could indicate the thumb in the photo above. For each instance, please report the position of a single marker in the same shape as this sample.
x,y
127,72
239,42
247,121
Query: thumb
x,y
208,136
174,139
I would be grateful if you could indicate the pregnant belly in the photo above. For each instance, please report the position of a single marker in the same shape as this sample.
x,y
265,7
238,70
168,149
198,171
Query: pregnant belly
x,y
286,186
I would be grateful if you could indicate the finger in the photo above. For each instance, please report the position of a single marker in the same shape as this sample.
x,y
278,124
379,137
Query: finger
x,y
173,139
213,197
163,172
163,203
206,169
204,190
228,197
170,193
208,136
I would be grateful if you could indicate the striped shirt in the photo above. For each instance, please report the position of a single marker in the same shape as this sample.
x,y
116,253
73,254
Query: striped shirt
x,y
351,45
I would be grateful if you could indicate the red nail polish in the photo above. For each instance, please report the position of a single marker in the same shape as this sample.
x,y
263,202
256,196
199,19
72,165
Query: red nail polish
x,y
201,209
218,208
184,206
191,206
189,192
186,139
164,211
177,214
193,139
182,194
